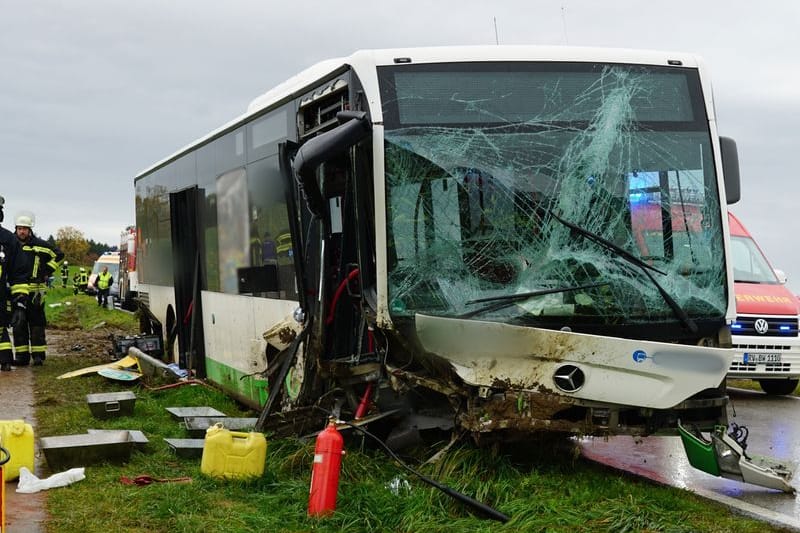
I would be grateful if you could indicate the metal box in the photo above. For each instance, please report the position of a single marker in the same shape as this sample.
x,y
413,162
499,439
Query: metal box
x,y
138,438
186,448
196,426
69,451
184,412
111,404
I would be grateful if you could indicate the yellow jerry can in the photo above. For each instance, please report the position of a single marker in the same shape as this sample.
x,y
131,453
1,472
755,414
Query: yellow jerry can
x,y
232,454
16,436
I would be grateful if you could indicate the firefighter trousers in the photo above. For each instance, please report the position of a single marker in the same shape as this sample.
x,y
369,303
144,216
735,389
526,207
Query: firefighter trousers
x,y
6,356
29,340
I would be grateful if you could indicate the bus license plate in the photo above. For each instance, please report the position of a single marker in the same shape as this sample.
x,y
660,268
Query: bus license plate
x,y
762,358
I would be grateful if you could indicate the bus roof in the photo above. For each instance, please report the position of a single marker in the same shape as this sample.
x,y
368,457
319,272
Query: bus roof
x,y
365,61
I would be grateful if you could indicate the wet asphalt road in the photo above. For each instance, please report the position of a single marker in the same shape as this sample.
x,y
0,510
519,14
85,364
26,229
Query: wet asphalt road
x,y
774,425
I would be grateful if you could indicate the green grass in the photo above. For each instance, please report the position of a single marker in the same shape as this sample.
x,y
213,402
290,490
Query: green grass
x,y
541,487
65,310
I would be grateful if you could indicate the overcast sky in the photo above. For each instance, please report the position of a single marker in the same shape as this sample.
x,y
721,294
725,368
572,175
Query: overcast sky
x,y
92,92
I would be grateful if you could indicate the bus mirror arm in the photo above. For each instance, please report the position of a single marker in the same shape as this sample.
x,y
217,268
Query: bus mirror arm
x,y
354,127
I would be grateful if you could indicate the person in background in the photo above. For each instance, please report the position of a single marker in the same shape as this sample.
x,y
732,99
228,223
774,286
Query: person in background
x,y
43,260
13,290
80,281
64,274
103,283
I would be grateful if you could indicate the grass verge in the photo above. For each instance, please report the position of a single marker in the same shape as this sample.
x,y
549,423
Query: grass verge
x,y
66,310
541,488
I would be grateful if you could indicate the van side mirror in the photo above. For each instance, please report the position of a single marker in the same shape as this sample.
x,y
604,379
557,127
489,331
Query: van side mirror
x,y
781,275
730,169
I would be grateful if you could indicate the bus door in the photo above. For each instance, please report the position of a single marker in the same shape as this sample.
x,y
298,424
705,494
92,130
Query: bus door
x,y
334,259
188,276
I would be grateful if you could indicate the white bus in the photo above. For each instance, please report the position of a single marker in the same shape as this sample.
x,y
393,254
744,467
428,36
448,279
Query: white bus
x,y
450,234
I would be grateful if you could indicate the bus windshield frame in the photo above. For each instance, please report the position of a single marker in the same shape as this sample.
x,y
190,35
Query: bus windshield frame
x,y
482,159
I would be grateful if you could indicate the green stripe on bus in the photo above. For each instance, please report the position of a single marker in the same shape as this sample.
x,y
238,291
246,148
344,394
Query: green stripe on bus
x,y
246,385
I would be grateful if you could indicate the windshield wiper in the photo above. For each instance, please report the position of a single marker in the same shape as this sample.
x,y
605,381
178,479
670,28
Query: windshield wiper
x,y
623,253
506,300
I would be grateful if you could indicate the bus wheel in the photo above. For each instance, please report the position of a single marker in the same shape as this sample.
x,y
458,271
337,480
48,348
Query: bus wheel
x,y
778,387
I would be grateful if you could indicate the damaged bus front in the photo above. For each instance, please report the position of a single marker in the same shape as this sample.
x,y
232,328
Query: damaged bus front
x,y
513,268
452,237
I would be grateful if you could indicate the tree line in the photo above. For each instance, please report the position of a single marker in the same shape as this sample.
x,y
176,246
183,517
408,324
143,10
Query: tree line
x,y
79,250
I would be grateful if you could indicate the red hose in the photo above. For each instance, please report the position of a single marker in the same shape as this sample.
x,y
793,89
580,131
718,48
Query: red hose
x,y
338,293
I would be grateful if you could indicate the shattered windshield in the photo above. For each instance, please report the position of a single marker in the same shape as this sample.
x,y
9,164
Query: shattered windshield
x,y
579,192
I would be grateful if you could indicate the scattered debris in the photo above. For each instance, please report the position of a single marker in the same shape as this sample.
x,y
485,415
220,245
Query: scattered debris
x,y
398,486
29,483
119,375
149,480
125,362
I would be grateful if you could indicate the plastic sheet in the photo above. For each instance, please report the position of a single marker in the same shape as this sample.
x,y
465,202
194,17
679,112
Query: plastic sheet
x,y
29,483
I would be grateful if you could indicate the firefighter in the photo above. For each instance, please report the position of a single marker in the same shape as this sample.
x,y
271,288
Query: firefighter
x,y
80,281
64,274
13,290
43,259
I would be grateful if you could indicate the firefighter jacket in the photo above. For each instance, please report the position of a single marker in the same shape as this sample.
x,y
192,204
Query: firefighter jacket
x,y
43,259
80,279
14,268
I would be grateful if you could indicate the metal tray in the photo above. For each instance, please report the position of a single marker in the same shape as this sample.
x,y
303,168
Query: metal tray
x,y
196,426
111,404
137,437
187,448
68,451
184,412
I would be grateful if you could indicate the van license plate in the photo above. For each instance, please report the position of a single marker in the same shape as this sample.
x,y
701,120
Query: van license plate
x,y
762,357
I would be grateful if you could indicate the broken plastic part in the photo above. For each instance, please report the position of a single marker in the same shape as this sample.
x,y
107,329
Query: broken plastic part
x,y
723,456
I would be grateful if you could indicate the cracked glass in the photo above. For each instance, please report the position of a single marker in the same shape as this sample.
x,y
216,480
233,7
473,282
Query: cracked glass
x,y
528,192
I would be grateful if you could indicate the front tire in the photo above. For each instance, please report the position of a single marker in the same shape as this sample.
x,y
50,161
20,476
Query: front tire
x,y
778,387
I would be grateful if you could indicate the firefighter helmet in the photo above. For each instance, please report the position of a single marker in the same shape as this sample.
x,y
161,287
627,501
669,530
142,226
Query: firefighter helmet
x,y
25,219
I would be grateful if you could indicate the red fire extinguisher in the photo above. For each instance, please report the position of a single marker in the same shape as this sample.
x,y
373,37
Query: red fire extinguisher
x,y
325,472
